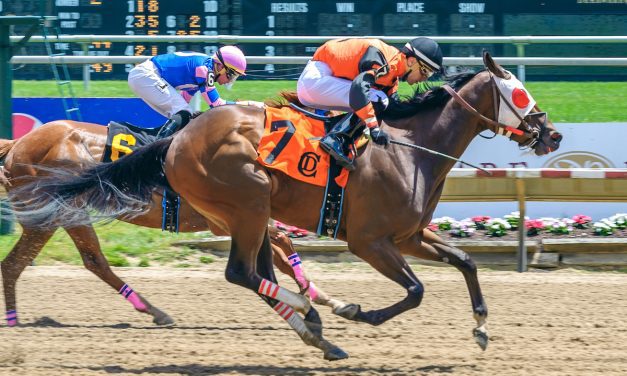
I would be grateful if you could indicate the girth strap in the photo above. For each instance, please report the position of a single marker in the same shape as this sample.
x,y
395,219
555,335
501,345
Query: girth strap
x,y
170,204
331,210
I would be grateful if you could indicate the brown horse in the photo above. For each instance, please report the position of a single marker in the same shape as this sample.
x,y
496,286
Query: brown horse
x,y
77,145
390,197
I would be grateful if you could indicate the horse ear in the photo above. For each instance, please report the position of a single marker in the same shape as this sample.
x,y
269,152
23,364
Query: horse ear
x,y
493,67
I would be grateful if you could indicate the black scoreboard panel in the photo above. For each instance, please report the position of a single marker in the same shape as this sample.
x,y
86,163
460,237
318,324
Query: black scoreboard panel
x,y
130,17
569,24
325,17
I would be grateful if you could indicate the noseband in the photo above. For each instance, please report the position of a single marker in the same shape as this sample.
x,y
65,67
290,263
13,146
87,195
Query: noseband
x,y
533,132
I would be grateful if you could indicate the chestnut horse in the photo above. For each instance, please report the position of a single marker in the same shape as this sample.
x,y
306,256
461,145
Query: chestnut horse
x,y
77,145
389,200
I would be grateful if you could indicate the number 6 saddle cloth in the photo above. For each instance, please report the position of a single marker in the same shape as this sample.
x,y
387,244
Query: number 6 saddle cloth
x,y
123,138
291,144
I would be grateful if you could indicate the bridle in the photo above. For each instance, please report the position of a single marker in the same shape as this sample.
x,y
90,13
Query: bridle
x,y
533,133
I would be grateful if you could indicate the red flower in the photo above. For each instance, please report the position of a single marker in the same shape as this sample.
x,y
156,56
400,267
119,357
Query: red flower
x,y
433,227
534,224
582,219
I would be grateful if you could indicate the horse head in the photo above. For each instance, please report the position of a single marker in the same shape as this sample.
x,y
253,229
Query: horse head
x,y
517,114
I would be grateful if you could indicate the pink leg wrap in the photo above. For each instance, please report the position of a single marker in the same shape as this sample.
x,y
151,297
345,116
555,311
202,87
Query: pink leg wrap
x,y
299,273
11,318
132,297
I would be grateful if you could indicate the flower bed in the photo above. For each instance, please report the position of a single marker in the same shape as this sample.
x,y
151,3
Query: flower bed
x,y
506,228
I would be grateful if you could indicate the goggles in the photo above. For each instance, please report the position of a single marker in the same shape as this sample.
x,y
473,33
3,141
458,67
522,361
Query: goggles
x,y
425,69
231,74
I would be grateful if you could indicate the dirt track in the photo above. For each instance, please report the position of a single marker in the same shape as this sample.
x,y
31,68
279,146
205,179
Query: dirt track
x,y
542,323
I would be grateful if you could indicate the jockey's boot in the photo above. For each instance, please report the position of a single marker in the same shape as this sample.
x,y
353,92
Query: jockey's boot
x,y
174,123
337,142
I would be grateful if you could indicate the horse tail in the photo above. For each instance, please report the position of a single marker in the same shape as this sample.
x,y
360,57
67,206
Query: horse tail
x,y
5,147
121,188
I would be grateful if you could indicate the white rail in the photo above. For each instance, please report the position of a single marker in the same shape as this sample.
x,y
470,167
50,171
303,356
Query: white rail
x,y
584,61
232,39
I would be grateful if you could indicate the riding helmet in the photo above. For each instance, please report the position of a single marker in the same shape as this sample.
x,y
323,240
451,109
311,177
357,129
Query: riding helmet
x,y
233,58
426,50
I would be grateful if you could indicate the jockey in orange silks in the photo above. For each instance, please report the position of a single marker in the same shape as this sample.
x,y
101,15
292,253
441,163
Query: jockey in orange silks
x,y
350,74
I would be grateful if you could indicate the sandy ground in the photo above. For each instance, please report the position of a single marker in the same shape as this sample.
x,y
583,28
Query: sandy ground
x,y
565,322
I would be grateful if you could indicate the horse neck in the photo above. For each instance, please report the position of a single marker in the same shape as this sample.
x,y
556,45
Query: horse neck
x,y
450,129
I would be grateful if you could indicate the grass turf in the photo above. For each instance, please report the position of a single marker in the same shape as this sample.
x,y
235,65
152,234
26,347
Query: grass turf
x,y
566,102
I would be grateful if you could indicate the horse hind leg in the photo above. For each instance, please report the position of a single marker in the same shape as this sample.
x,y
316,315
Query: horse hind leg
x,y
432,247
23,253
251,254
86,242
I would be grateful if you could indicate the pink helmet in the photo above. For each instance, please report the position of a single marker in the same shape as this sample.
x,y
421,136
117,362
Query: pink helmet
x,y
232,58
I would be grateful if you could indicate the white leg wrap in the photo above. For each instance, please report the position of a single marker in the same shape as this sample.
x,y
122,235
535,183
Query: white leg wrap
x,y
292,318
274,291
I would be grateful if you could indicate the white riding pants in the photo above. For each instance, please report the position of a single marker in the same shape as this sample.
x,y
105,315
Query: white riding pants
x,y
318,88
145,81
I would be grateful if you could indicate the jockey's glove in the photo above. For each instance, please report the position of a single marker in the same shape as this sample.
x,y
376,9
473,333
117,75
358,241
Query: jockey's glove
x,y
379,136
253,103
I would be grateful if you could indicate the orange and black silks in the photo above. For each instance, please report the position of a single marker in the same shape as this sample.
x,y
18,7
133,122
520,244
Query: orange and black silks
x,y
368,63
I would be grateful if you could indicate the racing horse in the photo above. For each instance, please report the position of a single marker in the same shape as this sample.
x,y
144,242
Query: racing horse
x,y
77,145
390,197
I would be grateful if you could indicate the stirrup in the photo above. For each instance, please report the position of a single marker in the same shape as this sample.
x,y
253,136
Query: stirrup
x,y
341,159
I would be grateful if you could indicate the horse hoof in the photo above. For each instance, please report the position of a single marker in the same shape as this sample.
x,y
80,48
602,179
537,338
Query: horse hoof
x,y
313,322
335,354
348,311
481,337
161,318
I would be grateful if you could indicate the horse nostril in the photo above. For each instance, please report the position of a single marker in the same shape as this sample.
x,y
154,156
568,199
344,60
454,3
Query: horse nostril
x,y
557,137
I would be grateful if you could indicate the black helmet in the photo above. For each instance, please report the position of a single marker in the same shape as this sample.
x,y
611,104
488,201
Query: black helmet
x,y
426,50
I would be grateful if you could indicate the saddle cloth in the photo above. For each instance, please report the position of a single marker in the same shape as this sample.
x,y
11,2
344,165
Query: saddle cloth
x,y
123,138
290,144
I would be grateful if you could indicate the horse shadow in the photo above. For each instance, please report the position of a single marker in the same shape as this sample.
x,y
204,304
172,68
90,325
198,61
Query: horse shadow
x,y
48,322
199,369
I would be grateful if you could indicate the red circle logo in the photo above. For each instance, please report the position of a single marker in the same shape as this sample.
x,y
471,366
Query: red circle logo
x,y
24,123
520,98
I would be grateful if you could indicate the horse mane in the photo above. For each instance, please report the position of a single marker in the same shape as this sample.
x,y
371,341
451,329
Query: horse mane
x,y
426,97
284,99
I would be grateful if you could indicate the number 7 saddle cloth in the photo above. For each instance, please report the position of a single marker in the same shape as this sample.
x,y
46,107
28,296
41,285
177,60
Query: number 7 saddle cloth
x,y
291,144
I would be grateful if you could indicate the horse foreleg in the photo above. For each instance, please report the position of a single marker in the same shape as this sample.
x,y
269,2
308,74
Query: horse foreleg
x,y
384,256
429,246
86,241
23,253
287,260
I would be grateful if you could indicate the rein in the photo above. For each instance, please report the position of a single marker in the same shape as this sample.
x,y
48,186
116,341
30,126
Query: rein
x,y
472,110
407,144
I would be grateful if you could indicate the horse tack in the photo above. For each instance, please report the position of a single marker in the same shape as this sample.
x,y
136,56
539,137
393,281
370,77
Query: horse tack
x,y
501,129
458,98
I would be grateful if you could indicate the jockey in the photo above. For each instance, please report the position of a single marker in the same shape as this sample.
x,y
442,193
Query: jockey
x,y
157,80
353,73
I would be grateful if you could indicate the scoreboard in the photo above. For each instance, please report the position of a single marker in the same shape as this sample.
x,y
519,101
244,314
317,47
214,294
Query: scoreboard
x,y
318,17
